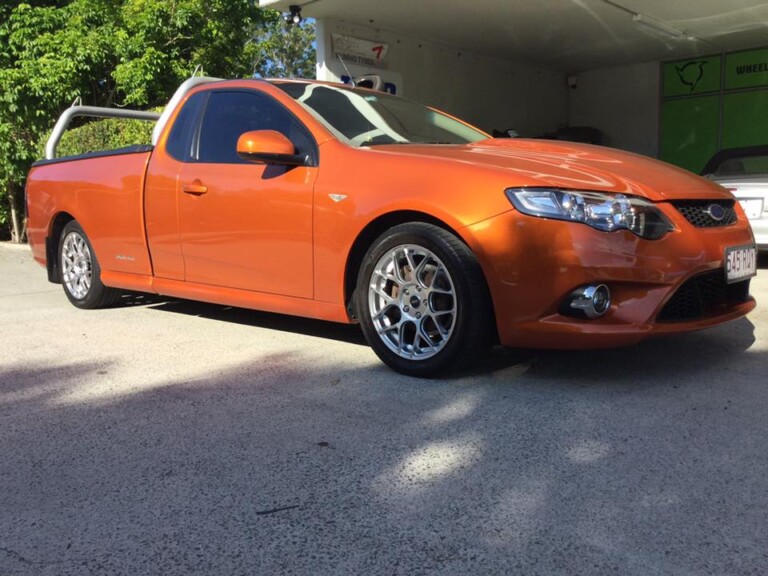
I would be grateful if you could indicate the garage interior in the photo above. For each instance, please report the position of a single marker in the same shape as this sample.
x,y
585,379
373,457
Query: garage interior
x,y
649,76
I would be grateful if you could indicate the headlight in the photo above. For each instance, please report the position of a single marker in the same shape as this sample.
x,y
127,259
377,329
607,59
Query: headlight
x,y
606,212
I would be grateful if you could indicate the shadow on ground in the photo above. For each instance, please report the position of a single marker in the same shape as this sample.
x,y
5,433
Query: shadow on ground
x,y
341,332
649,460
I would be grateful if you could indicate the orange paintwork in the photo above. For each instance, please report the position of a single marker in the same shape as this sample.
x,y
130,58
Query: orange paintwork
x,y
110,207
264,141
273,238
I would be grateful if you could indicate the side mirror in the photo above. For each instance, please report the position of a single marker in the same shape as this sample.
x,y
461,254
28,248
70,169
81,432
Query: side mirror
x,y
268,147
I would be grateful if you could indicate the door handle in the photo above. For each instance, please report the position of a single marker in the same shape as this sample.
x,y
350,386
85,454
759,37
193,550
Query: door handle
x,y
195,188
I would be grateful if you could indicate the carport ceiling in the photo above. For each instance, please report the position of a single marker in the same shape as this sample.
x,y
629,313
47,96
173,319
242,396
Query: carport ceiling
x,y
567,35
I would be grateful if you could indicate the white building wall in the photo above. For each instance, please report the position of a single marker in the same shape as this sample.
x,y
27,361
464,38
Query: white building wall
x,y
621,102
485,91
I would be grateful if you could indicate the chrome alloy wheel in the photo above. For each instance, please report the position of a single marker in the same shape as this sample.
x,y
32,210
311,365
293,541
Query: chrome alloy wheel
x,y
76,265
412,302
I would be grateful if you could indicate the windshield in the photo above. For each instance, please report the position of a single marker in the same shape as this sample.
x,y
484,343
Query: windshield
x,y
366,118
733,163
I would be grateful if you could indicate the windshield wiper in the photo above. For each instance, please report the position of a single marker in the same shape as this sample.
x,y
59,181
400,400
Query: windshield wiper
x,y
385,143
411,143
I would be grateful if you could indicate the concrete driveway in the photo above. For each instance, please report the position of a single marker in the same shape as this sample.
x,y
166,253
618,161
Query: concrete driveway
x,y
170,437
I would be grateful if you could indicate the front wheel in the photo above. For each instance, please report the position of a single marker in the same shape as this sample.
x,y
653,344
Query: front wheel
x,y
80,271
422,301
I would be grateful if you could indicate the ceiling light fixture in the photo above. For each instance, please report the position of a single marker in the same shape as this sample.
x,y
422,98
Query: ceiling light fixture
x,y
656,27
652,25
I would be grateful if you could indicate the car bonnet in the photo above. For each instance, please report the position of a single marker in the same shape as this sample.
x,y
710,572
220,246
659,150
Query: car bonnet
x,y
573,166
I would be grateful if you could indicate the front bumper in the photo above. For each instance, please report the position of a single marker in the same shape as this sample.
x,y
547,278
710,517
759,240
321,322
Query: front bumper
x,y
533,264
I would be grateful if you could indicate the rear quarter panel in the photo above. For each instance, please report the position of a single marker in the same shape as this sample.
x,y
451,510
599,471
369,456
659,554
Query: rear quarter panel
x,y
104,194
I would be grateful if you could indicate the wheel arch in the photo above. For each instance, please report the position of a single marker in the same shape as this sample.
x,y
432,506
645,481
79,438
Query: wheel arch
x,y
365,239
52,245
371,232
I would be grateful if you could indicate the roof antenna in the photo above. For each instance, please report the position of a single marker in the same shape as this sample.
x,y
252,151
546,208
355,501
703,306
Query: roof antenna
x,y
351,78
198,68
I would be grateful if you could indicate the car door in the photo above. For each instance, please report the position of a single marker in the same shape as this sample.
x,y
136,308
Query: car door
x,y
245,225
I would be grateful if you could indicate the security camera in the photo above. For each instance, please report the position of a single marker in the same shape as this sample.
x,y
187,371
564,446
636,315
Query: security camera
x,y
294,17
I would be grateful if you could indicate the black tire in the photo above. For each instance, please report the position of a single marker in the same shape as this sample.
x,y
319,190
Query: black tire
x,y
80,271
422,301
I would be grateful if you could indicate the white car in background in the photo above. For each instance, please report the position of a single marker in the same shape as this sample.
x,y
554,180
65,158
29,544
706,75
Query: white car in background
x,y
744,171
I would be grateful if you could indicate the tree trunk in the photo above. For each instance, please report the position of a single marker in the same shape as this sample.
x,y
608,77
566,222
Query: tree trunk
x,y
17,234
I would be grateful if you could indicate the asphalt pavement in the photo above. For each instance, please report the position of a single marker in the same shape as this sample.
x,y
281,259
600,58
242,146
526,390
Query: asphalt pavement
x,y
168,437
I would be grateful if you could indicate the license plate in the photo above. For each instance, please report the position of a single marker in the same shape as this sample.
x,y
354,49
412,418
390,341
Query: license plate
x,y
753,207
740,263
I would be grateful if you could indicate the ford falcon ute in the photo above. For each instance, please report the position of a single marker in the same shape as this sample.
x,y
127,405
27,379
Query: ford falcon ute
x,y
350,205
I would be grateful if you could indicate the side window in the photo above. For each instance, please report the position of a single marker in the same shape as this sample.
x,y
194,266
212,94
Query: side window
x,y
179,144
231,113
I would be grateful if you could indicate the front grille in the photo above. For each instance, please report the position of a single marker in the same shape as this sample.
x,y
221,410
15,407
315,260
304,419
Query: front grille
x,y
698,212
703,295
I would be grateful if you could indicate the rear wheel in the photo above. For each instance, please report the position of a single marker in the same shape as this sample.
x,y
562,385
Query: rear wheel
x,y
80,271
422,301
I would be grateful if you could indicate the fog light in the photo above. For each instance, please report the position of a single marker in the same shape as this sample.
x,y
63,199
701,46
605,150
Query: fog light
x,y
591,301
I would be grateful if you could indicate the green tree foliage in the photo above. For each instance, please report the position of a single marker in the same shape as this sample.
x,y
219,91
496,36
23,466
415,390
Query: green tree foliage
x,y
278,51
131,53
106,134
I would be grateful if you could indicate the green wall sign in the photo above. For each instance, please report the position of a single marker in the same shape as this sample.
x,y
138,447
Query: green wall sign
x,y
745,117
689,130
700,116
694,76
746,69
